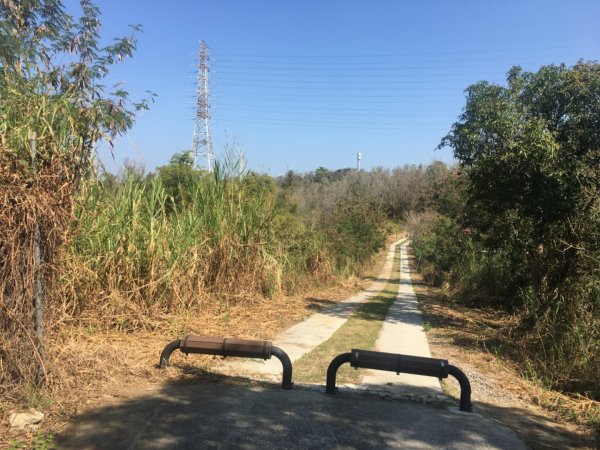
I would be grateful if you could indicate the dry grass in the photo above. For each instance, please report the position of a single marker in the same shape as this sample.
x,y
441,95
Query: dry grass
x,y
481,342
361,330
92,365
33,206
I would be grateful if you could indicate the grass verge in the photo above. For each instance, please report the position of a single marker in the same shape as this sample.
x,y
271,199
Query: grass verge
x,y
361,330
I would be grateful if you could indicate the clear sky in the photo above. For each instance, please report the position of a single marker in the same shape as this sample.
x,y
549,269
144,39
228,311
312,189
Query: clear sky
x,y
303,84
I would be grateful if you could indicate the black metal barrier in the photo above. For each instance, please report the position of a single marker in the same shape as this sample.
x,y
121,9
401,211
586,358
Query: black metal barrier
x,y
208,345
392,362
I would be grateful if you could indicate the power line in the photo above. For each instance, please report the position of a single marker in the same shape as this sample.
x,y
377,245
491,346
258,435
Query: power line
x,y
363,81
354,124
508,51
393,55
369,89
377,75
329,125
293,109
346,96
312,66
337,113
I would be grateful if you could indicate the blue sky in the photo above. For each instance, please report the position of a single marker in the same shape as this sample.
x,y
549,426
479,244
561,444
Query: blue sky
x,y
302,84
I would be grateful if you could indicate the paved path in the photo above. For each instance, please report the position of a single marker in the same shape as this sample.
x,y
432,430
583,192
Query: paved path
x,y
228,413
305,336
403,333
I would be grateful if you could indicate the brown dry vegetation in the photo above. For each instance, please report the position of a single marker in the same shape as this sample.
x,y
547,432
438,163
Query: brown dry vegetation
x,y
93,366
97,367
31,204
479,341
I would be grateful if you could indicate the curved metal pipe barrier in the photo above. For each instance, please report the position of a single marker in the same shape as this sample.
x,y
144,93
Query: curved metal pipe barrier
x,y
286,382
208,345
465,388
332,371
166,353
391,362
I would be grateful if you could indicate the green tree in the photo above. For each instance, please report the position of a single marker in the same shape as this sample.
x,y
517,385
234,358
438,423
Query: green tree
x,y
321,175
52,72
178,178
531,153
183,159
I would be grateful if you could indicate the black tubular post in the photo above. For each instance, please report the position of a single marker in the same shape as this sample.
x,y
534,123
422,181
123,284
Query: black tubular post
x,y
166,353
332,371
465,388
286,382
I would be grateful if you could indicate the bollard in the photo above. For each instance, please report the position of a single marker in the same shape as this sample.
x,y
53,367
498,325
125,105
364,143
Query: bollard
x,y
209,345
391,362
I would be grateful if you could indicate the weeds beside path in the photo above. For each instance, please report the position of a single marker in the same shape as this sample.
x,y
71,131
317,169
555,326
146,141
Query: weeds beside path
x,y
101,368
476,341
361,330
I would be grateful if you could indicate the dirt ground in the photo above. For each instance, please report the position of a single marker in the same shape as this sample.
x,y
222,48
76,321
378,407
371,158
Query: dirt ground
x,y
475,340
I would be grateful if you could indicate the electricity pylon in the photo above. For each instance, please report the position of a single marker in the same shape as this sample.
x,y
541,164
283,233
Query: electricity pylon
x,y
201,142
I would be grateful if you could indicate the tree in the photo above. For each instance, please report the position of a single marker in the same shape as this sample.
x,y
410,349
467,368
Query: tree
x,y
65,103
321,175
54,108
183,158
531,151
178,178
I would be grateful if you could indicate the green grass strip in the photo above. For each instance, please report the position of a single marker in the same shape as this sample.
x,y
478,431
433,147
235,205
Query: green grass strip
x,y
361,330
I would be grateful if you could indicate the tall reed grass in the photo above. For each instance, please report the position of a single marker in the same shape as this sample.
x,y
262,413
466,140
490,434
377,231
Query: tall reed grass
x,y
139,253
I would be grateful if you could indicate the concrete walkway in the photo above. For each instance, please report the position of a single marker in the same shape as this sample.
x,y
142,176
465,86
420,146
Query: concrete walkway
x,y
305,336
231,413
403,333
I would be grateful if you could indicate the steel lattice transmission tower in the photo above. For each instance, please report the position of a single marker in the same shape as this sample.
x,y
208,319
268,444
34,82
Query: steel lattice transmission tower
x,y
201,143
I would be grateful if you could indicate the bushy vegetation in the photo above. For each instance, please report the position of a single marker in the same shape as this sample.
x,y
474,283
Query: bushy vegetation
x,y
149,245
517,226
156,246
125,251
54,108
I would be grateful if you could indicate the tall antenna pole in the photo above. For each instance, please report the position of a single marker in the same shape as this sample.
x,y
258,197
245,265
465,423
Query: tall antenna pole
x,y
201,143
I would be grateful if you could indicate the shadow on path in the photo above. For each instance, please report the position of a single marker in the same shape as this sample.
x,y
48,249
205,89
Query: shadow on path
x,y
226,413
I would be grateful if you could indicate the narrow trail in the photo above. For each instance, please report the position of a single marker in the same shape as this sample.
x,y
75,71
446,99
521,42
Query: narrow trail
x,y
303,337
233,413
402,333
